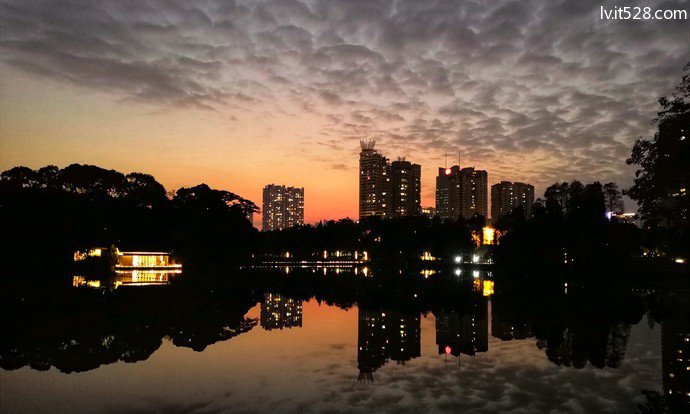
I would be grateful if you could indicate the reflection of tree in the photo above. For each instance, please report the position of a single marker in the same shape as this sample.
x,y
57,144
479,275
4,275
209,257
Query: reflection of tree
x,y
601,346
584,325
80,330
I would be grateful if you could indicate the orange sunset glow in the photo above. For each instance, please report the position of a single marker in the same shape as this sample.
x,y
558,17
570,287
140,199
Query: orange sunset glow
x,y
242,100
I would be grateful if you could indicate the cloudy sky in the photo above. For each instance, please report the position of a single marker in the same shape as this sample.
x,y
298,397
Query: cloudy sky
x,y
239,94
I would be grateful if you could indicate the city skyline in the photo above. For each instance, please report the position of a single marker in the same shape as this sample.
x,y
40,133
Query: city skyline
x,y
231,94
358,206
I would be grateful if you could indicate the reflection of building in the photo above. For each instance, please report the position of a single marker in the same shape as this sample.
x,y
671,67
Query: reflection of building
x,y
461,192
283,207
384,336
374,182
507,331
505,196
467,333
675,356
405,188
278,312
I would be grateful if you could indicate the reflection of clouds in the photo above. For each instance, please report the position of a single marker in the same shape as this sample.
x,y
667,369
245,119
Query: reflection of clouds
x,y
513,376
277,372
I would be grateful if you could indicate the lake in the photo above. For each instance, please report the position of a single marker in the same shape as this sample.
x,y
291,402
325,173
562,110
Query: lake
x,y
304,348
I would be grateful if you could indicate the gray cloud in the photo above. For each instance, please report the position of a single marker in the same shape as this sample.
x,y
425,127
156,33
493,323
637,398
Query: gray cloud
x,y
546,82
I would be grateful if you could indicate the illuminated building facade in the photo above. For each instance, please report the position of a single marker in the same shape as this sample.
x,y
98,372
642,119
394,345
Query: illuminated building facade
x,y
374,182
405,188
129,260
387,189
429,211
506,195
385,336
279,312
473,192
294,206
283,207
448,192
461,192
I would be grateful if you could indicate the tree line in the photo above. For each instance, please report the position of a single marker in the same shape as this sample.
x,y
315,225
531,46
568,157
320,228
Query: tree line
x,y
46,214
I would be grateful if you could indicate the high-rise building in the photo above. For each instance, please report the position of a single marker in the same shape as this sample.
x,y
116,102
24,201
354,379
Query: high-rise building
x,y
461,192
374,182
505,196
474,189
387,189
294,206
405,188
448,192
282,207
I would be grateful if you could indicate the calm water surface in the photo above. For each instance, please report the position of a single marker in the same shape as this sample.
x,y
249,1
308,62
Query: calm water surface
x,y
306,356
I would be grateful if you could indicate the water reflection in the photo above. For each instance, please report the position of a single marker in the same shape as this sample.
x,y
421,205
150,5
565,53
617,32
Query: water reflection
x,y
82,329
467,332
278,312
383,336
675,354
124,278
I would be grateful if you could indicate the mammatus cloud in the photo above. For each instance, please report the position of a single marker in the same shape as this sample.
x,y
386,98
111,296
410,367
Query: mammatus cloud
x,y
536,90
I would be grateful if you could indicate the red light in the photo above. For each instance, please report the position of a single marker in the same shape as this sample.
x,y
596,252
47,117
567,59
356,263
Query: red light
x,y
447,171
447,350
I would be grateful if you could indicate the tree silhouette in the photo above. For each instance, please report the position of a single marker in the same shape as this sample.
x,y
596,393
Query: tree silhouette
x,y
613,200
662,181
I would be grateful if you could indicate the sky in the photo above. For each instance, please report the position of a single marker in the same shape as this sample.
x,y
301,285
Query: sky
x,y
241,94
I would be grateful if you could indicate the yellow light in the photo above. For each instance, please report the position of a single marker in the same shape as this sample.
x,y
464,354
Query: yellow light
x,y
488,288
427,272
95,252
477,285
427,256
488,233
